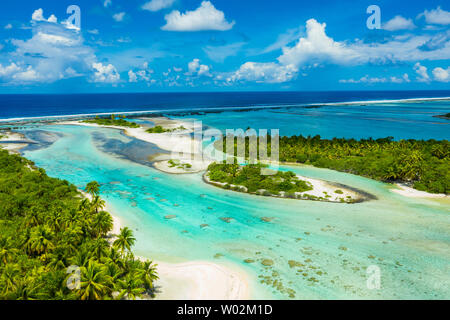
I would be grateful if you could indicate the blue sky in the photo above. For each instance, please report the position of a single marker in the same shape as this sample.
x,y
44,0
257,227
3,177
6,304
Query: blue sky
x,y
222,45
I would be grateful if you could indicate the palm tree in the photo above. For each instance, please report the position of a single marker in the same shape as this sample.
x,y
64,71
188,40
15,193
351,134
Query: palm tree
x,y
40,240
93,188
9,277
94,282
97,203
99,248
130,287
148,274
102,223
82,257
125,240
7,251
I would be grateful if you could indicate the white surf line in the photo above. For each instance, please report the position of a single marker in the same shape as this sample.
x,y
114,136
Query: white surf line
x,y
222,108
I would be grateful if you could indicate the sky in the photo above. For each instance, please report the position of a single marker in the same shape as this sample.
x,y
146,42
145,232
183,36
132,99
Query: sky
x,y
46,46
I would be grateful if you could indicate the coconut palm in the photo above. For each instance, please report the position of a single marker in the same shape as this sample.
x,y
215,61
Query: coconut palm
x,y
97,203
148,274
130,287
102,223
125,240
40,240
94,282
93,188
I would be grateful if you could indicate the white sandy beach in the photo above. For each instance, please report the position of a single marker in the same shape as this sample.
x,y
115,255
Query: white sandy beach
x,y
194,280
179,143
406,191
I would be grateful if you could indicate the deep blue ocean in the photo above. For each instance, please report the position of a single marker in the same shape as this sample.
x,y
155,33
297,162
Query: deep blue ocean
x,y
37,105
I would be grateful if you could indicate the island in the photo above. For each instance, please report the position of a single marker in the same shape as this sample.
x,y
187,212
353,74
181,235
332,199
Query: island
x,y
251,178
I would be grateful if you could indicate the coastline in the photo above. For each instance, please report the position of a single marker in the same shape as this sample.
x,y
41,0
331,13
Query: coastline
x,y
193,280
406,191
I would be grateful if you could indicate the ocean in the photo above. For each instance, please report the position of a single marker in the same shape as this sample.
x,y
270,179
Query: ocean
x,y
41,105
319,250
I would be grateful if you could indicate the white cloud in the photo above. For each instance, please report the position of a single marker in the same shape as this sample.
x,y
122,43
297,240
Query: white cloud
x,y
399,23
156,5
374,80
177,69
205,17
107,3
105,73
9,70
436,16
93,31
220,53
195,68
141,74
317,46
263,72
422,72
38,15
52,19
53,52
8,26
119,16
442,75
132,77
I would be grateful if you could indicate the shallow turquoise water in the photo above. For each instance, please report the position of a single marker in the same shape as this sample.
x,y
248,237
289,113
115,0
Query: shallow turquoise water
x,y
408,239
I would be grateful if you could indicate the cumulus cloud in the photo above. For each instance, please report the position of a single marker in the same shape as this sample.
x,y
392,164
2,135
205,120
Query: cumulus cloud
x,y
442,75
8,26
422,71
107,3
119,16
195,68
374,80
52,53
205,17
399,23
38,15
436,16
141,74
132,77
316,47
105,73
263,72
156,5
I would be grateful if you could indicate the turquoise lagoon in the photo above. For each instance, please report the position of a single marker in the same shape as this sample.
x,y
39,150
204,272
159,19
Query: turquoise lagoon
x,y
319,250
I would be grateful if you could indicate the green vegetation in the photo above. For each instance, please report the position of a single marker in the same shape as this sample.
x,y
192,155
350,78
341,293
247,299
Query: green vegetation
x,y
425,165
160,129
46,227
235,176
179,165
120,122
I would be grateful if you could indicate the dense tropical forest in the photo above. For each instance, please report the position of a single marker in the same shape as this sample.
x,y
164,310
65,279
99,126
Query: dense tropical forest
x,y
425,165
234,176
113,121
51,236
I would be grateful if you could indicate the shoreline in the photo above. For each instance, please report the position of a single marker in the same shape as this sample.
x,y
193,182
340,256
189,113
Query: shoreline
x,y
193,280
323,191
407,191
